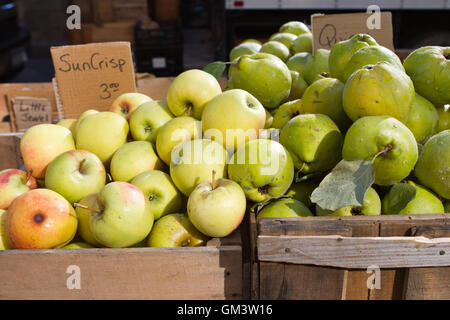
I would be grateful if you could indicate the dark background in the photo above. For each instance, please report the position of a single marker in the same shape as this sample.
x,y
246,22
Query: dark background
x,y
191,34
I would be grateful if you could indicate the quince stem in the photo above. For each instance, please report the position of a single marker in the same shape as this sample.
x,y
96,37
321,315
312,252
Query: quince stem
x,y
384,151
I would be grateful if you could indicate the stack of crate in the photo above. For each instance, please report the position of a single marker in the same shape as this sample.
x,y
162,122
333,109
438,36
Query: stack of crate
x,y
108,20
159,48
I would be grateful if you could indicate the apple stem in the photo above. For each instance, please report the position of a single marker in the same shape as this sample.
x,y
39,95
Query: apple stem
x,y
213,180
384,151
76,204
81,165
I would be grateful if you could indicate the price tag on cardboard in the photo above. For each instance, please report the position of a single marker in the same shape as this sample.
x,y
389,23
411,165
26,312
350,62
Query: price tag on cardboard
x,y
30,111
92,76
328,29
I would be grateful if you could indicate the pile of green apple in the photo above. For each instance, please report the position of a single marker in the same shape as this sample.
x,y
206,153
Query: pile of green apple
x,y
175,173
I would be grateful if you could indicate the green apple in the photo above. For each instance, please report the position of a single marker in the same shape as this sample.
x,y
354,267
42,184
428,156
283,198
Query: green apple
x,y
190,91
216,208
325,96
284,208
78,245
371,207
368,56
102,133
174,132
371,135
194,160
13,183
302,44
148,118
294,27
302,190
41,144
298,86
424,202
447,206
378,90
84,212
40,219
342,52
4,241
160,191
132,159
75,174
322,75
81,117
429,69
285,38
317,65
120,216
247,47
233,118
69,124
299,61
432,169
314,142
423,118
263,75
444,118
276,48
127,103
175,230
263,168
286,112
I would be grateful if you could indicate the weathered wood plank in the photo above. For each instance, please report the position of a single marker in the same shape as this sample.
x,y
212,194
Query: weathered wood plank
x,y
428,283
288,281
361,252
132,273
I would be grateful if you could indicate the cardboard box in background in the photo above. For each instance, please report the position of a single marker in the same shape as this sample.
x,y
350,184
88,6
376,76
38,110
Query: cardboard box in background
x,y
328,29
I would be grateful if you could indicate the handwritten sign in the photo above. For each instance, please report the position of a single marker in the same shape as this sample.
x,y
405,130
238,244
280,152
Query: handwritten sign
x,y
30,111
331,28
92,76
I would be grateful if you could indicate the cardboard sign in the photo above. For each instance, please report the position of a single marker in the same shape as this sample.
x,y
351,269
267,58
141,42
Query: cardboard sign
x,y
30,111
331,28
92,76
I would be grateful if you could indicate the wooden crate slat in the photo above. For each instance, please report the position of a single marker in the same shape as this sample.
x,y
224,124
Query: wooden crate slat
x,y
361,252
284,281
433,282
141,273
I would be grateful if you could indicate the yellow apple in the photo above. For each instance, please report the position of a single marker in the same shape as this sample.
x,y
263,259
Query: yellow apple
x,y
174,132
102,134
194,160
41,219
127,103
132,159
191,91
41,144
233,118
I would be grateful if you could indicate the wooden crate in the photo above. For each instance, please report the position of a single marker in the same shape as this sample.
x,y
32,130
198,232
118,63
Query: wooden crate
x,y
211,272
328,257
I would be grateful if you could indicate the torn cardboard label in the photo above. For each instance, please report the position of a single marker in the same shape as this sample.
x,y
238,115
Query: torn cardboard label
x,y
31,111
328,29
92,76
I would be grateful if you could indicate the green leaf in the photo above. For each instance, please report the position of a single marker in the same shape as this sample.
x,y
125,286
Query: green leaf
x,y
399,196
215,68
345,185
